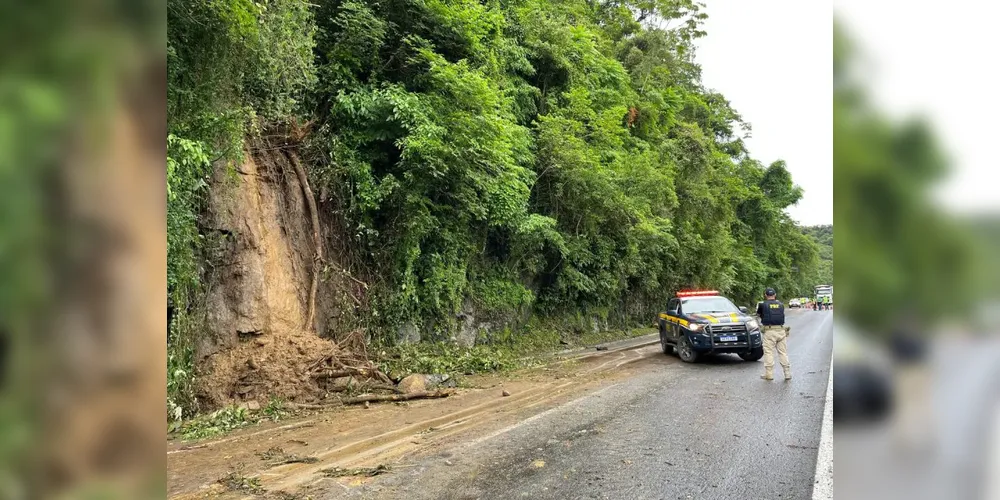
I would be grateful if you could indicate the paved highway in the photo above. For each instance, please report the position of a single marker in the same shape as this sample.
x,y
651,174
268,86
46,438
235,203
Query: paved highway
x,y
711,430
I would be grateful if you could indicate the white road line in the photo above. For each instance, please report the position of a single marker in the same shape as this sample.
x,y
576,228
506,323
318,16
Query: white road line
x,y
993,464
823,484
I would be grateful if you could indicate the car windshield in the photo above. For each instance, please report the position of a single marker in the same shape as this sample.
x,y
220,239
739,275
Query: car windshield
x,y
707,305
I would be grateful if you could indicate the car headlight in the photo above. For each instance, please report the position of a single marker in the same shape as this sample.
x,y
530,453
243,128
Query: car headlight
x,y
752,325
695,327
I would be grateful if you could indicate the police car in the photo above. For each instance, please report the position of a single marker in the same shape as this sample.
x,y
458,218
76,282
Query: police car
x,y
697,323
795,303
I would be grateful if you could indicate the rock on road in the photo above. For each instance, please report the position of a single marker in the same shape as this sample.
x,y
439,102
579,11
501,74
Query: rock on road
x,y
708,430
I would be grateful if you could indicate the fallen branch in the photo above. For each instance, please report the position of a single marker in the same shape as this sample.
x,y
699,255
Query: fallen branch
x,y
294,459
383,377
307,406
396,397
384,387
362,283
334,374
361,471
350,370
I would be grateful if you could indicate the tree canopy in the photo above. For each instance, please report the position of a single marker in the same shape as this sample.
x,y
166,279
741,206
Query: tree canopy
x,y
525,155
903,256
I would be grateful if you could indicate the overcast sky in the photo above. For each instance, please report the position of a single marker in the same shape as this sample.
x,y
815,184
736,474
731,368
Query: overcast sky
x,y
938,59
773,60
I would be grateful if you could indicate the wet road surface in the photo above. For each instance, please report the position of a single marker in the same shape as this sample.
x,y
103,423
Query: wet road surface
x,y
960,454
708,430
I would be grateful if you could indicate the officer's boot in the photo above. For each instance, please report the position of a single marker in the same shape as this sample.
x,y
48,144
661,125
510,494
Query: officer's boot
x,y
768,373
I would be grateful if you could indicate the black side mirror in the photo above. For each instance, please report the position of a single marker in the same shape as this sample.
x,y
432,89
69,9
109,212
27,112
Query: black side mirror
x,y
744,310
672,312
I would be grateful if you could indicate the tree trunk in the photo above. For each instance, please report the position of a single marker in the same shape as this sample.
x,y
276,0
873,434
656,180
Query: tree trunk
x,y
396,397
317,243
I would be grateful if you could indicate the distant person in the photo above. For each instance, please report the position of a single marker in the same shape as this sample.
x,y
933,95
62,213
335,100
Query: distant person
x,y
913,420
772,319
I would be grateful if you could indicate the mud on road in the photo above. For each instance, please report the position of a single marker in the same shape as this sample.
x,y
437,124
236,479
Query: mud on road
x,y
249,463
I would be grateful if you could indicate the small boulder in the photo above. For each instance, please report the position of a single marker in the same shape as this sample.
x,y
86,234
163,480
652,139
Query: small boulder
x,y
413,383
408,333
437,380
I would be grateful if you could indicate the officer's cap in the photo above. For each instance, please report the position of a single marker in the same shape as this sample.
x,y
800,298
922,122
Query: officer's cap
x,y
769,292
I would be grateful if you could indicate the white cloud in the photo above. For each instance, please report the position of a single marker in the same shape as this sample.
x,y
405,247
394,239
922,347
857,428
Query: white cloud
x,y
938,60
773,60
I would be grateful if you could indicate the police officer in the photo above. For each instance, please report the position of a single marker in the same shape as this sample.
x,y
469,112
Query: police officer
x,y
772,319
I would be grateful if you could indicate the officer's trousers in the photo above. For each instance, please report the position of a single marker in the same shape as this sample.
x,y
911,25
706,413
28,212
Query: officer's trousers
x,y
774,340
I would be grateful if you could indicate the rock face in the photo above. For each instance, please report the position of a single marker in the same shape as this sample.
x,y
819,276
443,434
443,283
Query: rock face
x,y
470,327
408,333
260,253
436,381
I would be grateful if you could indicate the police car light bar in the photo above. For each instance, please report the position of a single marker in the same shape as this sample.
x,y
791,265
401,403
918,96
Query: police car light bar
x,y
696,293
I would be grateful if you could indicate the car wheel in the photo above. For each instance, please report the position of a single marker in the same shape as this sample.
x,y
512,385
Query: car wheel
x,y
667,348
685,351
753,355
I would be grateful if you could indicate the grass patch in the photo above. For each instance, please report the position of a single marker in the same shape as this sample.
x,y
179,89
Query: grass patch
x,y
227,420
444,358
504,352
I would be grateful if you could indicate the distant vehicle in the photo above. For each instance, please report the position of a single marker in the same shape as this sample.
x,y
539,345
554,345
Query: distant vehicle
x,y
795,303
823,291
698,323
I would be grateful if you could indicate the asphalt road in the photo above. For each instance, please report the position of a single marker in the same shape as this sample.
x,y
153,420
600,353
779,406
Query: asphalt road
x,y
674,431
961,457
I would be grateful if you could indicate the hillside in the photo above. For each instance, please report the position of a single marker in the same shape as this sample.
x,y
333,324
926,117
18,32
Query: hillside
x,y
823,236
345,177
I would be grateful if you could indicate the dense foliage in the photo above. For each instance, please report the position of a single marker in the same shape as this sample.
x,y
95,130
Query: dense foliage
x,y
823,235
901,256
516,156
987,228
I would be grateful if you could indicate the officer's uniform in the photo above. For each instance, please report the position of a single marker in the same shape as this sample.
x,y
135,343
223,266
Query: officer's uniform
x,y
913,413
772,319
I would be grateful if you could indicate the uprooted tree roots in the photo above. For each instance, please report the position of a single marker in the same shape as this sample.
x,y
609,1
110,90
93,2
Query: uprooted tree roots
x,y
337,371
338,364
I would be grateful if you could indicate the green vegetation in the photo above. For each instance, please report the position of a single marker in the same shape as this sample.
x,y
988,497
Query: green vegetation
x,y
530,158
227,420
987,228
503,353
905,257
446,358
237,480
823,236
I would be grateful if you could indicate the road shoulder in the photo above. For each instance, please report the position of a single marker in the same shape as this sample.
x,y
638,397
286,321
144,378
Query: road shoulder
x,y
823,485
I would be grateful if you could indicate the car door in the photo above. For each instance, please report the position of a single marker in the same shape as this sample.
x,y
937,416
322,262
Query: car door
x,y
673,309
